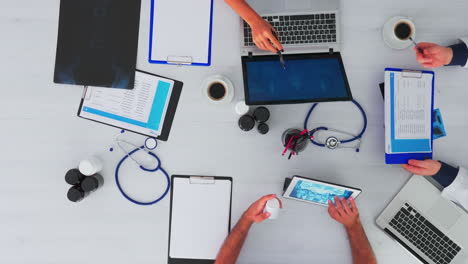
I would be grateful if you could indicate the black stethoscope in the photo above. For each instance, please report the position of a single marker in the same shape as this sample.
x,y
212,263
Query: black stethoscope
x,y
150,144
333,142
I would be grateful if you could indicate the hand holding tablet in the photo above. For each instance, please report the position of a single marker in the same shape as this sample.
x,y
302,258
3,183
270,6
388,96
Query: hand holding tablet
x,y
344,211
317,192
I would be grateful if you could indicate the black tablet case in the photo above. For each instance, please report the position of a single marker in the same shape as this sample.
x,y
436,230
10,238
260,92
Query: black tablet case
x,y
331,54
170,113
97,42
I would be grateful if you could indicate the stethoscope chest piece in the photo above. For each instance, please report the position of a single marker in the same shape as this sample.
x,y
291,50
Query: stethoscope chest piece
x,y
332,143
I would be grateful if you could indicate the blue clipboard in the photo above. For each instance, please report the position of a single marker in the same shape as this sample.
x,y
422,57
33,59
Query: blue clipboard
x,y
173,18
403,158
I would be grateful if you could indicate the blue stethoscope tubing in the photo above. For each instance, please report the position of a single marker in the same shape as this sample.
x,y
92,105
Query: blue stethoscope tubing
x,y
145,169
359,136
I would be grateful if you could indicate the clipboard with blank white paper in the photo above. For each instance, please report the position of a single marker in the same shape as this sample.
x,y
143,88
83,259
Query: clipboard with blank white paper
x,y
180,32
200,218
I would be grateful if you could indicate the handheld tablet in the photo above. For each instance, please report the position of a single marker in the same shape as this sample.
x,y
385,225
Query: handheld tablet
x,y
317,192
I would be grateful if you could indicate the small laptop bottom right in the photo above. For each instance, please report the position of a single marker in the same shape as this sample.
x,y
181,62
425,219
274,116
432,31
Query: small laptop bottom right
x,y
431,228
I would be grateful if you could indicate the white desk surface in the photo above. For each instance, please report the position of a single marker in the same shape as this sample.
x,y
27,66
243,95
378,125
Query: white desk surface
x,y
42,138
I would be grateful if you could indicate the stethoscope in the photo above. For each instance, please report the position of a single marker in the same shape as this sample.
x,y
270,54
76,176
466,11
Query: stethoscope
x,y
333,142
150,144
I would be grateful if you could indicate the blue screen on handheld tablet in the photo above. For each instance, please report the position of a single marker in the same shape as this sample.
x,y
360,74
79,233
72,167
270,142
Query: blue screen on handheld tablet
x,y
304,79
316,192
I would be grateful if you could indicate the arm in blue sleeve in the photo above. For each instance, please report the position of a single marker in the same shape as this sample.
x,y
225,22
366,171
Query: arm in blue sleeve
x,y
460,54
446,175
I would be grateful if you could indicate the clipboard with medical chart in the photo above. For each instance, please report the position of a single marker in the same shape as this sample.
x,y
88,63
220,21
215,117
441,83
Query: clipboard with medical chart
x,y
409,108
181,32
148,109
200,218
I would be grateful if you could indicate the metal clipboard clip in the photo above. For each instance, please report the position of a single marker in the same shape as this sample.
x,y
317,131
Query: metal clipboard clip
x,y
202,180
411,74
179,60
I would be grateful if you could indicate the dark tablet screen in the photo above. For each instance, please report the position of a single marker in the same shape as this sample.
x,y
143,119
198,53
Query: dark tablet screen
x,y
307,78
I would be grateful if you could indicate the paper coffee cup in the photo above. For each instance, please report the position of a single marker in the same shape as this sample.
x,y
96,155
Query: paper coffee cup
x,y
273,207
218,89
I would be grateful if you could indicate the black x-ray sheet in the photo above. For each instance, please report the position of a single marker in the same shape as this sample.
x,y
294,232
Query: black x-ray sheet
x,y
97,43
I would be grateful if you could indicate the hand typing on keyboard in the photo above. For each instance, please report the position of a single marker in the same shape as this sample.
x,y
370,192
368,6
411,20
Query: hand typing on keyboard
x,y
263,36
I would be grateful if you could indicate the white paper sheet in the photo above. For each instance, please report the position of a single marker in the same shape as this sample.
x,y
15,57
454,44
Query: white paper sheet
x,y
413,107
200,218
181,28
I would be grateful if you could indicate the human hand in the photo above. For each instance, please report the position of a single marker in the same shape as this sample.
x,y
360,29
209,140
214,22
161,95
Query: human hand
x,y
424,168
433,55
344,211
255,212
265,35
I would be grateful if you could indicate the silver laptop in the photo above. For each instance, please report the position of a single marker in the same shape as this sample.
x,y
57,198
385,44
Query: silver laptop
x,y
433,229
304,26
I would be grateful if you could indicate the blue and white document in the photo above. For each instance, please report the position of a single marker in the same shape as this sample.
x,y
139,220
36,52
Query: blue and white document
x,y
142,109
408,112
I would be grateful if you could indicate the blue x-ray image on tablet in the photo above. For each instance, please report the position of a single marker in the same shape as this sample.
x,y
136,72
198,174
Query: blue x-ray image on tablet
x,y
305,79
317,193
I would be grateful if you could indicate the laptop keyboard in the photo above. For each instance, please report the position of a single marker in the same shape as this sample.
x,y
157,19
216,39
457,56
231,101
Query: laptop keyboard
x,y
299,29
424,235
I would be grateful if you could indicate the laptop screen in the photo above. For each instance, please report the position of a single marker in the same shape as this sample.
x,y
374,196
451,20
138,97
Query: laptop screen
x,y
307,78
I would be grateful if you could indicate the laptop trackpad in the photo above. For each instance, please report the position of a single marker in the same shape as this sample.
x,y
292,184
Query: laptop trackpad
x,y
444,214
294,4
266,7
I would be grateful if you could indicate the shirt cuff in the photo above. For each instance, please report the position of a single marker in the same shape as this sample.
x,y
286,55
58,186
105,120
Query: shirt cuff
x,y
460,54
446,174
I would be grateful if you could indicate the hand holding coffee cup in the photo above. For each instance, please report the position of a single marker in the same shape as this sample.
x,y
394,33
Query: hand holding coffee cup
x,y
218,89
433,55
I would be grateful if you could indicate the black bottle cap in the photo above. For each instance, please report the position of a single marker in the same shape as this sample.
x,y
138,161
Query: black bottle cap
x,y
75,194
261,114
263,128
89,184
246,123
74,177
